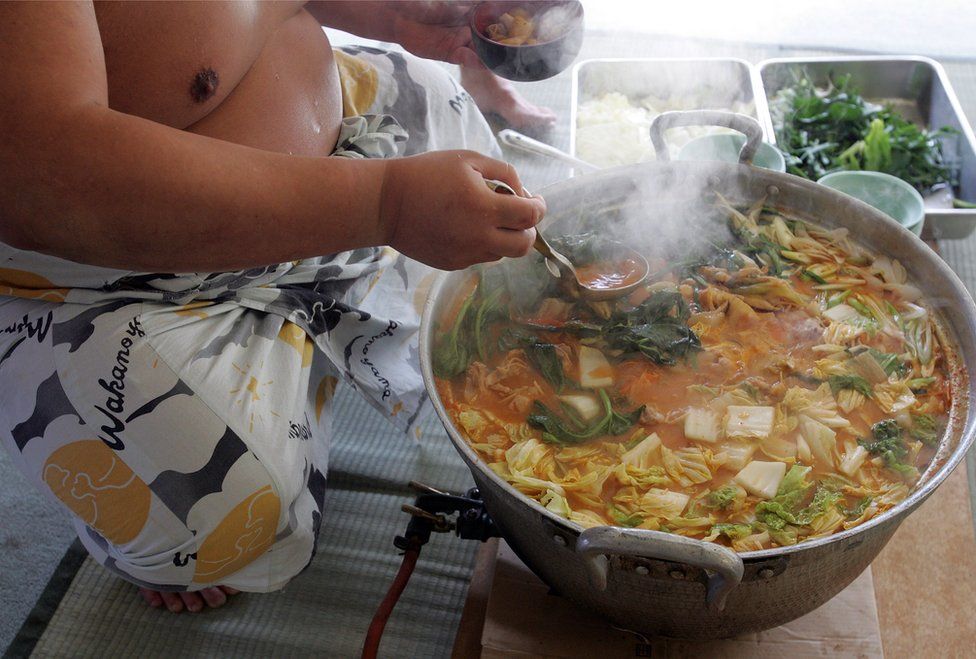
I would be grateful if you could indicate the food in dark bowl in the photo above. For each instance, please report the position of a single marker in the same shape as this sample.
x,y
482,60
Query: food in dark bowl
x,y
527,41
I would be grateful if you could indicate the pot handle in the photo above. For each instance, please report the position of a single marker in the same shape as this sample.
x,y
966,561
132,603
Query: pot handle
x,y
724,565
677,118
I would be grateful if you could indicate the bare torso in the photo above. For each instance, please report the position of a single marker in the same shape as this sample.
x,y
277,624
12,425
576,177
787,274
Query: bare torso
x,y
260,74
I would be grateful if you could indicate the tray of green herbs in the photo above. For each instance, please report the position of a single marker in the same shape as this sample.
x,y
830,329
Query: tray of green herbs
x,y
821,130
897,115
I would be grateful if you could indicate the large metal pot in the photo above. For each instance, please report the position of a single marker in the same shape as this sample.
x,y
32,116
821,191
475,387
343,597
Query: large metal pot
x,y
658,583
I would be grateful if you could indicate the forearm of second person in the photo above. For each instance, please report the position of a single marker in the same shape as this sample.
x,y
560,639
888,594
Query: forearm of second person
x,y
110,189
370,19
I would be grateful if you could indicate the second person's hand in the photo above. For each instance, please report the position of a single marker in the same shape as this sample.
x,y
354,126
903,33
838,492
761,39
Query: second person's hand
x,y
436,208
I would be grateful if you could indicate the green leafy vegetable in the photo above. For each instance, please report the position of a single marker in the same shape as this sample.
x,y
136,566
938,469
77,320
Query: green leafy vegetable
x,y
812,276
781,514
855,382
788,535
451,355
545,359
623,519
489,309
558,430
794,486
890,445
780,510
723,497
775,515
468,336
635,439
835,128
920,385
761,248
890,362
858,510
656,329
732,531
925,429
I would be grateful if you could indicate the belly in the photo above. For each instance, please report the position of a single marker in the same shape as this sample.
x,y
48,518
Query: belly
x,y
289,100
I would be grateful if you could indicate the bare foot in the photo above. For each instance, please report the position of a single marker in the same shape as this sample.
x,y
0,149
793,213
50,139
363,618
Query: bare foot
x,y
494,94
191,601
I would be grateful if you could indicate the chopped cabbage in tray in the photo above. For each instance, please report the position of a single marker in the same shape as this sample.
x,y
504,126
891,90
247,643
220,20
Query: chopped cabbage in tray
x,y
779,387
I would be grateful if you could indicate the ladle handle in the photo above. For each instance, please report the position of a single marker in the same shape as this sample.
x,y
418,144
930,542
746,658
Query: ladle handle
x,y
724,566
517,140
678,118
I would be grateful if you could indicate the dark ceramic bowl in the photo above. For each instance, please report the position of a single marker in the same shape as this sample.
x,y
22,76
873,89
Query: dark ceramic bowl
x,y
535,62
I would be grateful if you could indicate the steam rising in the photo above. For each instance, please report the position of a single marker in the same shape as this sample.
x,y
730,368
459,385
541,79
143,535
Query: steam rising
x,y
555,22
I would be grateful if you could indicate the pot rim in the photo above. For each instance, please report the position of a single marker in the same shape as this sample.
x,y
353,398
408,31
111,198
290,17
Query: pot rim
x,y
955,367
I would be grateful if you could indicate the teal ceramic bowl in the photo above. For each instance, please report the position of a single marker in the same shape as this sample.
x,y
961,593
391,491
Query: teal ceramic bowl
x,y
887,193
725,147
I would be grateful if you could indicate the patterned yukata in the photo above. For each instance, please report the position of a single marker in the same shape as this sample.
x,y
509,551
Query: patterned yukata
x,y
184,419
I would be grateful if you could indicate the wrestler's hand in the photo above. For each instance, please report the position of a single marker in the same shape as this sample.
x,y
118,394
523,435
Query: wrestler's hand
x,y
434,30
436,208
439,30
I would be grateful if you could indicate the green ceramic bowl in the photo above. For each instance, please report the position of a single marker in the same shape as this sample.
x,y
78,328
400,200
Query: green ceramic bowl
x,y
887,193
725,147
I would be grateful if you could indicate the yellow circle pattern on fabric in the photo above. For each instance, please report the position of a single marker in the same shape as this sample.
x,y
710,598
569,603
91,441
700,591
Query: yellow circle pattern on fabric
x,y
21,283
242,536
296,337
359,82
103,491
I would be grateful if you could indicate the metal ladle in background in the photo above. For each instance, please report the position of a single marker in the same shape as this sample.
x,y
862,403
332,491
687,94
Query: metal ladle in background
x,y
560,266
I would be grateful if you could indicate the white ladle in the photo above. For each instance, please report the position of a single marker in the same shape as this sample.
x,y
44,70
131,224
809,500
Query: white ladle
x,y
517,140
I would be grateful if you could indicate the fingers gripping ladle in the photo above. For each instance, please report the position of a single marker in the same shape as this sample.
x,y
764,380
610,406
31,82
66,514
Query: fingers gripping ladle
x,y
560,266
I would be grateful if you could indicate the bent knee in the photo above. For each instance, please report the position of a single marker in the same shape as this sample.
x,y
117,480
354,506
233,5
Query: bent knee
x,y
220,537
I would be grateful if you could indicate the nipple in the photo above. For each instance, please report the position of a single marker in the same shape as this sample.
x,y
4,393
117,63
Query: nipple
x,y
204,85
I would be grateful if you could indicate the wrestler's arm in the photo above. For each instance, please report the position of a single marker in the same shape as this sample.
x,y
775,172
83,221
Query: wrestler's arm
x,y
435,30
87,183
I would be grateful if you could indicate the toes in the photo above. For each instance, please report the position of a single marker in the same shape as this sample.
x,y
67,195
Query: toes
x,y
214,597
151,597
192,601
229,590
172,601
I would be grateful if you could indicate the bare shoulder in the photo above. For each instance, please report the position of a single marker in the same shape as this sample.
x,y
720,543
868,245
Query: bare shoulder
x,y
52,56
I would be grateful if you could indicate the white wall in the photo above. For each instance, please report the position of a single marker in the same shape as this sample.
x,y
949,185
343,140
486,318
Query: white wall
x,y
931,27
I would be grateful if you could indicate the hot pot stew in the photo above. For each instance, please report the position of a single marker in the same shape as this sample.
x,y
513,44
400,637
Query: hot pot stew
x,y
775,385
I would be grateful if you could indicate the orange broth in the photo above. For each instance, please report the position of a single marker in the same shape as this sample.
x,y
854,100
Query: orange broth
x,y
747,357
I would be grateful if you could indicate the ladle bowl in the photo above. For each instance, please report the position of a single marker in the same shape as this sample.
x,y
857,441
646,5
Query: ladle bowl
x,y
560,266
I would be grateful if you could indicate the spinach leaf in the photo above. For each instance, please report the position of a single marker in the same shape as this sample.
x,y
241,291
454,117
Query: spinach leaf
x,y
489,309
545,359
468,336
558,430
451,355
656,329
